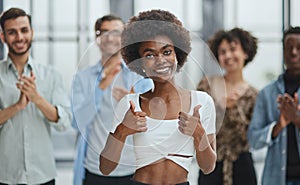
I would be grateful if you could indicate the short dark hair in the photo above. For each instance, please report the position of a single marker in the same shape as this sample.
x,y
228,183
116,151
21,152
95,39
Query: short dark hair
x,y
149,24
13,13
109,17
247,40
290,30
215,41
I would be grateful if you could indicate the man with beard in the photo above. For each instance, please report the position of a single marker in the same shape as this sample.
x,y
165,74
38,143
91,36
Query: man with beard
x,y
32,99
96,90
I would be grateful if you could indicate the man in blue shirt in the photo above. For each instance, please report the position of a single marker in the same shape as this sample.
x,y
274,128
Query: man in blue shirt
x,y
276,120
32,99
96,91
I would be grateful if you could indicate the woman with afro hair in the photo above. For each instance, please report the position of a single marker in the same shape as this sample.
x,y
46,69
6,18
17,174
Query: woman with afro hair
x,y
168,124
234,49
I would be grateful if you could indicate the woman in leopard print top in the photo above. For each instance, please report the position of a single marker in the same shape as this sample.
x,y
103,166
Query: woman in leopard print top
x,y
233,49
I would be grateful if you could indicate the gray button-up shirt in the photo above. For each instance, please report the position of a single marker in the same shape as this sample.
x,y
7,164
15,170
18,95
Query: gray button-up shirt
x,y
26,152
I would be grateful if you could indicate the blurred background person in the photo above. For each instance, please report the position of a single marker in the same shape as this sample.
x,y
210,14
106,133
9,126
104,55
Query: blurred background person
x,y
233,49
276,120
95,92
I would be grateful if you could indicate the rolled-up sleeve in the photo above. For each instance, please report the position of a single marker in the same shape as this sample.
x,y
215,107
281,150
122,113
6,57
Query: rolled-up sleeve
x,y
260,128
208,115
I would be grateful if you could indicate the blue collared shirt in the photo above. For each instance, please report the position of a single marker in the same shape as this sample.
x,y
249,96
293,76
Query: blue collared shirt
x,y
264,118
93,113
26,155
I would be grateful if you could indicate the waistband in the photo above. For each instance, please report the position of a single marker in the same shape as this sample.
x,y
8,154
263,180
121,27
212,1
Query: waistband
x,y
87,172
133,182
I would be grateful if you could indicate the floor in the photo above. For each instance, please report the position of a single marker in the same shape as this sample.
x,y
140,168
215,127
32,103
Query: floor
x,y
64,173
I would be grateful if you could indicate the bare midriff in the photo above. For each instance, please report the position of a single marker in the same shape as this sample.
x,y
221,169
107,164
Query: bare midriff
x,y
162,172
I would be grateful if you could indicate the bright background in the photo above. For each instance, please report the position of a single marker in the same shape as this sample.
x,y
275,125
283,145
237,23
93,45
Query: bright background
x,y
64,30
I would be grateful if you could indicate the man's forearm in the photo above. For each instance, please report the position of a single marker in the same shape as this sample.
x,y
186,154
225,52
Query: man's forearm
x,y
8,113
276,130
49,111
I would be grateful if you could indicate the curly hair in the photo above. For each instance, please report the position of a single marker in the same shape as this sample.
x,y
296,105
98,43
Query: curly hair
x,y
247,40
215,41
148,25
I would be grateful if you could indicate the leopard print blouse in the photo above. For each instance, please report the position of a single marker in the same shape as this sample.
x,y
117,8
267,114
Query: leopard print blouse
x,y
232,128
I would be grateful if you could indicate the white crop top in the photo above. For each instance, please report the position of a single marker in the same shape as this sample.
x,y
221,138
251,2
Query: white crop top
x,y
163,139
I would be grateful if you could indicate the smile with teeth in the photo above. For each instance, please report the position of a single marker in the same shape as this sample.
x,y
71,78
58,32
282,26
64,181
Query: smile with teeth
x,y
162,70
20,45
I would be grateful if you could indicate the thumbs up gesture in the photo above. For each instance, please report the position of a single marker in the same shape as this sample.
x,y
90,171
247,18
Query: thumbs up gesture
x,y
190,124
134,122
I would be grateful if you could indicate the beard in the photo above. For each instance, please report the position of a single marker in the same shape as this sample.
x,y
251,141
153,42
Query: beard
x,y
13,51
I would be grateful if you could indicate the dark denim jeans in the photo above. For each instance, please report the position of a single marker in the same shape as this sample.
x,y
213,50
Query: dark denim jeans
x,y
293,183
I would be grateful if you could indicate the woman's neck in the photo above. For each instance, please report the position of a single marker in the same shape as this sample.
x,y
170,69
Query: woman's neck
x,y
234,78
164,87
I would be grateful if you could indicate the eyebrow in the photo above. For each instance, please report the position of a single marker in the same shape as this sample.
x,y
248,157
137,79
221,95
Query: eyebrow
x,y
166,46
14,29
151,50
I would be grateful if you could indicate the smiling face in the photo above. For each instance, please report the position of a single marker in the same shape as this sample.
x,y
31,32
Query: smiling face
x,y
231,56
292,52
18,35
159,58
110,37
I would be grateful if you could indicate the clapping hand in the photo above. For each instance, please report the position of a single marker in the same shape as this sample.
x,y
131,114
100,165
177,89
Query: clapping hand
x,y
119,92
288,107
28,89
110,70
